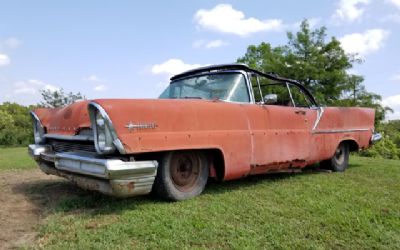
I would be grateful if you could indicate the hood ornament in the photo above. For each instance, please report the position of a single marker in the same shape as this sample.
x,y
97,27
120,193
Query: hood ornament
x,y
131,126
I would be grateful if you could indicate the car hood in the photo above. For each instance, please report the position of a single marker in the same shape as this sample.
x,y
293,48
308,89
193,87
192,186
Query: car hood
x,y
65,121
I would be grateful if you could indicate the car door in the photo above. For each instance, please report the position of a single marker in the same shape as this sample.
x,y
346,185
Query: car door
x,y
284,137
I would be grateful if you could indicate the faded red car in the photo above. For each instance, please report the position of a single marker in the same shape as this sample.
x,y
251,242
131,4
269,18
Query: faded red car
x,y
223,121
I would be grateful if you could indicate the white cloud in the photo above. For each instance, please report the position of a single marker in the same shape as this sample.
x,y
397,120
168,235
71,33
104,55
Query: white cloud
x,y
4,60
206,44
350,10
32,87
395,3
215,44
224,18
395,77
364,43
92,78
100,87
11,43
391,18
394,103
173,67
97,82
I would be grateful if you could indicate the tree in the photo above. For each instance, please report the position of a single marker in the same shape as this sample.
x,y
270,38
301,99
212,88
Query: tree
x,y
6,120
58,98
357,95
15,124
320,65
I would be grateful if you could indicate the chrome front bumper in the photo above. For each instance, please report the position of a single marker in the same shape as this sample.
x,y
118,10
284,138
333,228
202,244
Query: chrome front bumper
x,y
109,176
376,137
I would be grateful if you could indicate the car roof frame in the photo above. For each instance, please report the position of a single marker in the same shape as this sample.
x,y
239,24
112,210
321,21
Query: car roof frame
x,y
244,67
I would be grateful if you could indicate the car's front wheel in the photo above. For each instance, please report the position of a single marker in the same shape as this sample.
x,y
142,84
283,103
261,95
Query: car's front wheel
x,y
181,175
340,160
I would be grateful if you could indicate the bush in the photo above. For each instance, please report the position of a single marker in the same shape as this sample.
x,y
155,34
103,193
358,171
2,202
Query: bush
x,y
385,148
15,125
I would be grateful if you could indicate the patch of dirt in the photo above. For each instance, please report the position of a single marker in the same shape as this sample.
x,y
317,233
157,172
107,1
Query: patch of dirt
x,y
26,197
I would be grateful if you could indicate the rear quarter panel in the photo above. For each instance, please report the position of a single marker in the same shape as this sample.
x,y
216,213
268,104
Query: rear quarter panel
x,y
338,124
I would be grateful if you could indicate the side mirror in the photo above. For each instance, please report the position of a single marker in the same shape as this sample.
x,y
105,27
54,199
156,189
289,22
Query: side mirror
x,y
271,99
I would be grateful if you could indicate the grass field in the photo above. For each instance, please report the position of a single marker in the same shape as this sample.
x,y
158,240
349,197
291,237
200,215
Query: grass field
x,y
15,159
357,209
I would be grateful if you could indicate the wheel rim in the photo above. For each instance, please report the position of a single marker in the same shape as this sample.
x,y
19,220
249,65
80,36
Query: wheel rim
x,y
185,171
339,155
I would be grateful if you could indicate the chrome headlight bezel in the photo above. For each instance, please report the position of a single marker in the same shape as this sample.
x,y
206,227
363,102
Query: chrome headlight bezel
x,y
38,129
105,137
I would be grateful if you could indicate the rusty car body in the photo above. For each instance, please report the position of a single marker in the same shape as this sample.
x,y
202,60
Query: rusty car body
x,y
222,121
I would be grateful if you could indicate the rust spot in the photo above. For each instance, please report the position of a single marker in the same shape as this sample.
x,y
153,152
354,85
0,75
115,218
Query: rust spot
x,y
67,113
278,167
131,186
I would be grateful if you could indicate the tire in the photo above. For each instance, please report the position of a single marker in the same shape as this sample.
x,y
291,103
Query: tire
x,y
340,160
181,175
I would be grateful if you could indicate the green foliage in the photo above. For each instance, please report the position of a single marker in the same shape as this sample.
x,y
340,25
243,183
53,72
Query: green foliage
x,y
319,64
6,120
322,66
58,98
15,125
389,146
385,148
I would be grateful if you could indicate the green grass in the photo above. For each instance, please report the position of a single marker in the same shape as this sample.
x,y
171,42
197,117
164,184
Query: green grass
x,y
16,159
357,209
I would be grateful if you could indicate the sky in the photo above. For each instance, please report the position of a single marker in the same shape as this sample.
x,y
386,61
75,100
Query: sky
x,y
129,49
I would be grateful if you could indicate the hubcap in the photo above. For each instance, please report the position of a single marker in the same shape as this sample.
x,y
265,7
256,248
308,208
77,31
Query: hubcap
x,y
185,169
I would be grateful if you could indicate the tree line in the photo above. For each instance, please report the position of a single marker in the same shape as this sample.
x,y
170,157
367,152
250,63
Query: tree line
x,y
16,127
309,57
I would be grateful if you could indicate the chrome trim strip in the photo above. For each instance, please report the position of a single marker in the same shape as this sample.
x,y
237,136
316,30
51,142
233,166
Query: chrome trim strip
x,y
290,94
35,117
330,131
92,106
320,112
70,137
36,120
259,89
249,87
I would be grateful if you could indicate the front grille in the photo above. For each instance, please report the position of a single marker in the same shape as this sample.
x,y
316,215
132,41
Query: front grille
x,y
60,146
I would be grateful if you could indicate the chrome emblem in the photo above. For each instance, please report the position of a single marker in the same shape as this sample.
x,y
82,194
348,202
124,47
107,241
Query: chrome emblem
x,y
131,126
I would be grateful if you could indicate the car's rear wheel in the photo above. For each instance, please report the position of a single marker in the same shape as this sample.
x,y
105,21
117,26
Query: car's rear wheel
x,y
181,175
340,160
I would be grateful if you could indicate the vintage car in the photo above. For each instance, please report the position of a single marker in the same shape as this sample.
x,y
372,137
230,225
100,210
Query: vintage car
x,y
223,121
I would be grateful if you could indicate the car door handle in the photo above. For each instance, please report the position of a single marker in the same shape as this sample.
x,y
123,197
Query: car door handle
x,y
300,112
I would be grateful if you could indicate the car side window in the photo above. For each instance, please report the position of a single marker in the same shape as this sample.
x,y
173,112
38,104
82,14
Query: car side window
x,y
269,88
281,91
299,98
256,90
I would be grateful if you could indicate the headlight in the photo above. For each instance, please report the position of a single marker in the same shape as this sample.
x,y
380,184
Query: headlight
x,y
105,137
38,129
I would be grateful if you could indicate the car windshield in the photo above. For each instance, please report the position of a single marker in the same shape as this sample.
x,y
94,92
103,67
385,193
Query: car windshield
x,y
223,86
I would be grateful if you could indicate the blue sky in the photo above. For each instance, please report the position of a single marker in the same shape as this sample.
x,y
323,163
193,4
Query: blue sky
x,y
128,49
